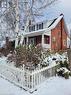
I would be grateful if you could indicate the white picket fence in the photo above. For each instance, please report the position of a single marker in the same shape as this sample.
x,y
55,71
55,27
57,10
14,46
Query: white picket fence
x,y
25,78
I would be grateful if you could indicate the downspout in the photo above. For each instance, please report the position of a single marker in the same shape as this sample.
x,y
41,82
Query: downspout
x,y
70,38
61,35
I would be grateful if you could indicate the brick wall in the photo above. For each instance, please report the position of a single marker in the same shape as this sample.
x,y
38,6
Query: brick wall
x,y
59,37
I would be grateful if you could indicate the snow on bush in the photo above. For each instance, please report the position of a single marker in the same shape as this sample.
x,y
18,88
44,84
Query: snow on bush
x,y
64,72
55,57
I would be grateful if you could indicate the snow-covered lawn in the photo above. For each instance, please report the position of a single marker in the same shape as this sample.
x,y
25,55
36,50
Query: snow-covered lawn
x,y
3,60
53,86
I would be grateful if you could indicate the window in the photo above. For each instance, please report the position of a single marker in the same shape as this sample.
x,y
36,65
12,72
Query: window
x,y
32,41
39,26
47,39
31,28
64,42
53,39
4,4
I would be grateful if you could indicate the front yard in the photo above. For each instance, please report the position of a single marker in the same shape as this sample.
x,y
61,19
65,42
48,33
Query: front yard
x,y
53,86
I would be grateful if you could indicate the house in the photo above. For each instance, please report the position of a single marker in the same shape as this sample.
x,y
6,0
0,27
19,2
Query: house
x,y
50,34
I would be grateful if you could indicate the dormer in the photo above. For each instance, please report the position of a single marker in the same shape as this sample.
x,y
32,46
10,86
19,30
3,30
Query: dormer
x,y
47,24
35,27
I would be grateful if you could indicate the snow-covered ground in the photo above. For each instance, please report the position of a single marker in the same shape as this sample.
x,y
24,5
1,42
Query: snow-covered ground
x,y
3,60
53,86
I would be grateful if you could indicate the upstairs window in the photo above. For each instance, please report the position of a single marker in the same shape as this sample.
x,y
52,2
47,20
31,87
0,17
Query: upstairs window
x,y
39,26
31,28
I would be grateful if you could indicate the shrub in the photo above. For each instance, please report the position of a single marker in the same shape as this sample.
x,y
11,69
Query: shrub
x,y
30,54
44,65
60,73
66,75
66,64
61,64
70,73
64,72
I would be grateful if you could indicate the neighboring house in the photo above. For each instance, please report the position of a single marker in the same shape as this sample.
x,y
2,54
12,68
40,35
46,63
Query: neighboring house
x,y
50,34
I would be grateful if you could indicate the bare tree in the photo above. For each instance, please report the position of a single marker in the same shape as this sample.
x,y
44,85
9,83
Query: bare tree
x,y
30,9
7,18
34,8
19,12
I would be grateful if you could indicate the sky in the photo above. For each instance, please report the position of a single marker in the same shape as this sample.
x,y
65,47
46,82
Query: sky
x,y
61,6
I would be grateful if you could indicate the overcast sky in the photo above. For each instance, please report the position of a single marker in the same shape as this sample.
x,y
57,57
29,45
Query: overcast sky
x,y
62,6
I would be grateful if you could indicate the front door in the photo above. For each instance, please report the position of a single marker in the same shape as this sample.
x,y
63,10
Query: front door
x,y
32,41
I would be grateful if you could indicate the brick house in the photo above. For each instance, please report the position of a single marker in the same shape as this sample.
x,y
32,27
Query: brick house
x,y
50,34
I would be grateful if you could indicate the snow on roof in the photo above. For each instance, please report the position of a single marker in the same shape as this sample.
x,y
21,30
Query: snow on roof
x,y
39,31
48,26
56,22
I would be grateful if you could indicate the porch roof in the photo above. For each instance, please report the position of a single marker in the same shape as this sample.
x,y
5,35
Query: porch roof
x,y
36,33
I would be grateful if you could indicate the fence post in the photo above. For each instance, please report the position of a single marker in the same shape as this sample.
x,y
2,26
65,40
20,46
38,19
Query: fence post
x,y
32,82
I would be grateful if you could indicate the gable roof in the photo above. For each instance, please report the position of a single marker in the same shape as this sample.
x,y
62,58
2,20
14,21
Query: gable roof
x,y
51,24
57,20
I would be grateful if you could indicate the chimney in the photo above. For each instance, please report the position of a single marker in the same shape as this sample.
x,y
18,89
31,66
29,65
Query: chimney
x,y
61,14
7,41
30,22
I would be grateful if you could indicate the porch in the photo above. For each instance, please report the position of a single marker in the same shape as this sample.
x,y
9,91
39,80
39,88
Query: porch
x,y
44,40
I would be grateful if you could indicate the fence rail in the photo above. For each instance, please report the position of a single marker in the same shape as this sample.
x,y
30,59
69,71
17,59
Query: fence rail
x,y
26,79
